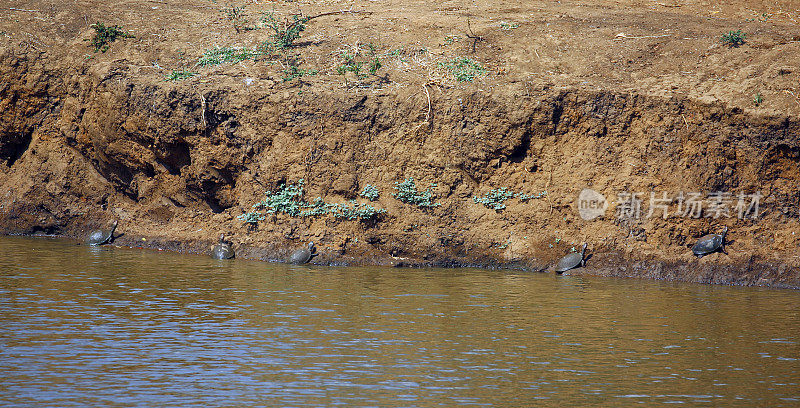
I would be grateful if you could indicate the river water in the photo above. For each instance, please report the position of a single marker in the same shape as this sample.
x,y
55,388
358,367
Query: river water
x,y
83,326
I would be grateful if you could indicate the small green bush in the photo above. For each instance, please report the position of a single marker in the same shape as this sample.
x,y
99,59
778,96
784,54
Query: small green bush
x,y
293,72
222,55
103,36
355,211
526,197
407,193
251,218
285,33
494,199
316,208
733,38
464,69
180,74
287,199
238,17
370,192
506,26
352,63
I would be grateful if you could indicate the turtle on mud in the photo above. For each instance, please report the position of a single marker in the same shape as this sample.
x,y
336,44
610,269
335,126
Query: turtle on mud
x,y
303,255
222,250
571,260
102,236
710,243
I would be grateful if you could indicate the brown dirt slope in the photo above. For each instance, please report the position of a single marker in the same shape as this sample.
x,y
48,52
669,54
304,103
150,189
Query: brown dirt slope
x,y
622,96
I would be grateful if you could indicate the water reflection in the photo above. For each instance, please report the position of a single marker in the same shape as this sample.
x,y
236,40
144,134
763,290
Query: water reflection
x,y
83,326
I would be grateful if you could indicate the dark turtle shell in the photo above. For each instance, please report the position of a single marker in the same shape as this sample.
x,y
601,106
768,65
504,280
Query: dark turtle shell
x,y
571,260
222,250
709,243
100,237
302,255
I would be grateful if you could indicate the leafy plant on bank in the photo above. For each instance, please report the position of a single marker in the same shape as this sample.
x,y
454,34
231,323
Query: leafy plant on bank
x,y
407,193
733,39
463,69
180,74
251,218
495,199
238,17
103,36
286,32
370,192
288,199
351,62
292,72
222,55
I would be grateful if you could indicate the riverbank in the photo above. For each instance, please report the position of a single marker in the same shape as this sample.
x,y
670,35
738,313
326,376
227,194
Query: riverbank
x,y
179,146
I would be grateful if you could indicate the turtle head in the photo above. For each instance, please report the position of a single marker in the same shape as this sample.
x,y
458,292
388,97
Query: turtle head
x,y
583,249
311,247
724,232
221,238
114,226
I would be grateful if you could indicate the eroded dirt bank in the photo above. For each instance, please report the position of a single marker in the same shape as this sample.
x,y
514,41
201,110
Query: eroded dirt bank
x,y
85,141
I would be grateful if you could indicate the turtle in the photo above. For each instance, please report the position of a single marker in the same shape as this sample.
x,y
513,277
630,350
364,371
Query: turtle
x,y
710,243
222,250
303,255
571,260
102,236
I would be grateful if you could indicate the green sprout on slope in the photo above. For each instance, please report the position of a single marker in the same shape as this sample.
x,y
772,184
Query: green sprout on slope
x,y
288,199
352,63
221,55
464,69
370,192
494,199
407,193
251,218
179,75
733,39
285,33
103,36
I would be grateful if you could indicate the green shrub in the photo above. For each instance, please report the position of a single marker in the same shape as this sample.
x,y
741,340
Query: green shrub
x,y
180,74
526,197
287,199
370,192
103,36
494,199
758,99
733,38
464,69
238,17
285,33
293,72
316,208
352,63
251,218
506,26
355,211
407,193
222,55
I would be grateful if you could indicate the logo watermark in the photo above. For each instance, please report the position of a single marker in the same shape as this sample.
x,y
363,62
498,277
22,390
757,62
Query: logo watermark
x,y
591,204
636,205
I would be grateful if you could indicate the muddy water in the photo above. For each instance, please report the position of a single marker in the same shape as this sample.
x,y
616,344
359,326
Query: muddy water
x,y
84,326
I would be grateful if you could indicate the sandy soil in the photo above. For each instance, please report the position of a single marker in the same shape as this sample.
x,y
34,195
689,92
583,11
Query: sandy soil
x,y
616,96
